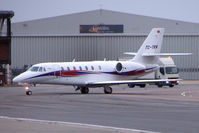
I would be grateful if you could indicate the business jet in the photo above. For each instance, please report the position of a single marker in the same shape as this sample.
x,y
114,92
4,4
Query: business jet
x,y
85,75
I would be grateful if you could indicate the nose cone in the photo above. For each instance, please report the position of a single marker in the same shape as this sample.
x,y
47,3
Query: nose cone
x,y
23,77
17,79
20,78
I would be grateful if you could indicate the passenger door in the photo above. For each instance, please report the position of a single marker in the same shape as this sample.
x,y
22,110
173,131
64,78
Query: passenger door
x,y
57,70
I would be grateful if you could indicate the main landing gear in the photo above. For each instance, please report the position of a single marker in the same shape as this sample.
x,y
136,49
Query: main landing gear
x,y
107,90
85,90
28,91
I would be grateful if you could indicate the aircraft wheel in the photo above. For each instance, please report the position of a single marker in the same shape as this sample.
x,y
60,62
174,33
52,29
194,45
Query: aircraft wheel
x,y
29,93
160,85
171,85
84,90
142,85
108,90
131,85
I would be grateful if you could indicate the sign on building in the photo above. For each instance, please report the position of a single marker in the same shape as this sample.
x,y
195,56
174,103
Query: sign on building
x,y
101,28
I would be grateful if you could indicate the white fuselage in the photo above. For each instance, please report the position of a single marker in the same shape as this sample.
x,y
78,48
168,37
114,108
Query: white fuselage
x,y
82,73
99,73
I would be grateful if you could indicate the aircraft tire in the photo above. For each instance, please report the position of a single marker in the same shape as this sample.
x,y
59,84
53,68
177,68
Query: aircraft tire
x,y
171,85
84,90
160,85
131,85
28,93
108,90
142,85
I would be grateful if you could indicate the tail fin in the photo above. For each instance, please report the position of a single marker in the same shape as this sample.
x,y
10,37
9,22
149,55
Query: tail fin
x,y
152,45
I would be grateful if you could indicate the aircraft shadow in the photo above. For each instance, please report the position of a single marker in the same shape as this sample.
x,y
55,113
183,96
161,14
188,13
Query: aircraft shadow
x,y
79,94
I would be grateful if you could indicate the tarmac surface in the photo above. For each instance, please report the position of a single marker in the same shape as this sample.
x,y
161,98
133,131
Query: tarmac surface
x,y
61,109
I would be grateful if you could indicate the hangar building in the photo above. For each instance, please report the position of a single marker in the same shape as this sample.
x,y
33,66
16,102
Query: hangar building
x,y
99,34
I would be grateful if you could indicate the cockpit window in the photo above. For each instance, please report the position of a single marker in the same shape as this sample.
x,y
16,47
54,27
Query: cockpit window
x,y
34,69
40,69
37,69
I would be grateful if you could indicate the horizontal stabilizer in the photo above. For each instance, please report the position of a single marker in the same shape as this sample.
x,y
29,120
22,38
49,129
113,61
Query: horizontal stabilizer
x,y
130,53
165,54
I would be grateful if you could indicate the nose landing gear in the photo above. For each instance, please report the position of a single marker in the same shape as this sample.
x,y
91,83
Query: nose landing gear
x,y
28,91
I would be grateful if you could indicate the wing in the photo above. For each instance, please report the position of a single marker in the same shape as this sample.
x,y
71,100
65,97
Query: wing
x,y
132,81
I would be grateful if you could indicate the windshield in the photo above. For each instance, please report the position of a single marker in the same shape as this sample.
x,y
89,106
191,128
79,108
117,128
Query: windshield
x,y
37,69
34,69
171,70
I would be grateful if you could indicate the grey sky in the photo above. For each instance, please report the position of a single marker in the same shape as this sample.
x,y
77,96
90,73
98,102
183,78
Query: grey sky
x,y
185,10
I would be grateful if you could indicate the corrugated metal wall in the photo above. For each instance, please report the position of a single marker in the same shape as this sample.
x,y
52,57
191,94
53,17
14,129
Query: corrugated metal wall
x,y
27,50
189,65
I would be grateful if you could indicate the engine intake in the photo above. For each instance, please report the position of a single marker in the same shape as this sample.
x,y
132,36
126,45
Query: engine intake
x,y
128,68
119,67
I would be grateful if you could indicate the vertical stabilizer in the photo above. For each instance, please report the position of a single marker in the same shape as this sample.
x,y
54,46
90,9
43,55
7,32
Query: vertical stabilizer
x,y
151,46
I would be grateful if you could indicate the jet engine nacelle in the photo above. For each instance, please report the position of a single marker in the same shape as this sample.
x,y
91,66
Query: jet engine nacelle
x,y
127,66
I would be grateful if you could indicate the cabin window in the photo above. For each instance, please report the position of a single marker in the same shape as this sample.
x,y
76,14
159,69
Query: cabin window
x,y
92,67
68,68
62,68
42,69
74,68
80,68
100,68
86,67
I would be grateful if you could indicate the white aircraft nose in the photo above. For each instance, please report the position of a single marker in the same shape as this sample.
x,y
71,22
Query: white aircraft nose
x,y
16,79
21,78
